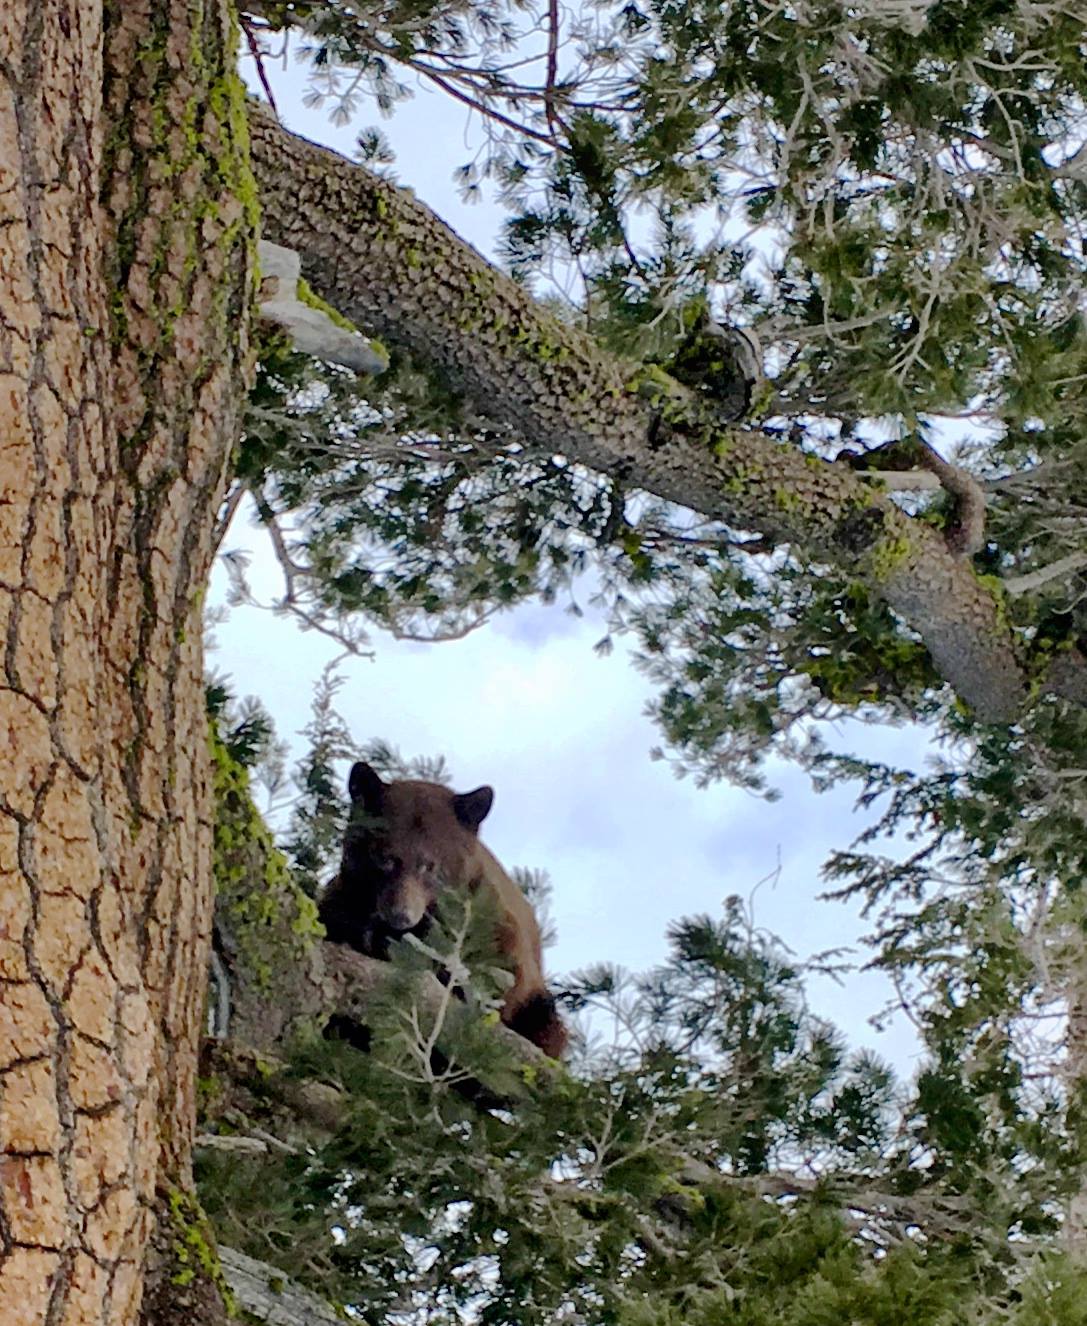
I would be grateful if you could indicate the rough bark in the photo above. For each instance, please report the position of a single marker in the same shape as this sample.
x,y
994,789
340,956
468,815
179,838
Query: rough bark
x,y
125,285
395,269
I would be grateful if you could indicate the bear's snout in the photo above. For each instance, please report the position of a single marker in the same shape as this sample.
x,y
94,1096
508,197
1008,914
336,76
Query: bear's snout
x,y
399,920
403,906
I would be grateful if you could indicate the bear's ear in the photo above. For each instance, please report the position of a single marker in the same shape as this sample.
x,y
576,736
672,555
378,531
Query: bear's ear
x,y
471,808
364,785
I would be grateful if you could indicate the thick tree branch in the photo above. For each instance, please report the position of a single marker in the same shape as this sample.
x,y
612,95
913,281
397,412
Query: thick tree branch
x,y
965,534
392,266
336,984
964,529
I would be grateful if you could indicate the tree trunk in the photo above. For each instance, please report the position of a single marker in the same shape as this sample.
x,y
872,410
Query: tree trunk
x,y
125,286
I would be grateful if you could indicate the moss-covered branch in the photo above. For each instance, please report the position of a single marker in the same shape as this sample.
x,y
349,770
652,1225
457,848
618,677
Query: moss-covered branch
x,y
391,265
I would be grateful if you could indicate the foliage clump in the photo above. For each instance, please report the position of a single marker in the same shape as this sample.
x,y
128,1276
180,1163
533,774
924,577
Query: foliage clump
x,y
723,1157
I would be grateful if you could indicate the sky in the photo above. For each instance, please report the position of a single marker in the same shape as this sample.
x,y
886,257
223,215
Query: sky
x,y
524,705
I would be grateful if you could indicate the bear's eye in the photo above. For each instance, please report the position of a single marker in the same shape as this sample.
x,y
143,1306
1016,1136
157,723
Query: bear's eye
x,y
386,861
428,867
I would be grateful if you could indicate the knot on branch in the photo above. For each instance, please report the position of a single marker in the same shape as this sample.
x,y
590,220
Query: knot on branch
x,y
722,365
910,463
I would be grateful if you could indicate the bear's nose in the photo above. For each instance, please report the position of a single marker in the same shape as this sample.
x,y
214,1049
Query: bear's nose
x,y
400,920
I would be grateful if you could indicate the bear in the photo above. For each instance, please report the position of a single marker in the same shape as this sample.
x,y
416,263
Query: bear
x,y
405,841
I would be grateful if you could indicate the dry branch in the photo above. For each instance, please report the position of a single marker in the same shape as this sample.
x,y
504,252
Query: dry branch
x,y
312,330
266,1293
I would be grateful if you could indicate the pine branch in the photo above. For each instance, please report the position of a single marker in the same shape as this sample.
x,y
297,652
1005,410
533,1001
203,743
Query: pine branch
x,y
366,243
352,980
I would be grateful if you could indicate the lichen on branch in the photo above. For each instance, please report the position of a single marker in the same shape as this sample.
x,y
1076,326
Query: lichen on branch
x,y
392,266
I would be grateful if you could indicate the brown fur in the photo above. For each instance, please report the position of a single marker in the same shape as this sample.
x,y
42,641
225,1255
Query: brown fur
x,y
519,944
407,840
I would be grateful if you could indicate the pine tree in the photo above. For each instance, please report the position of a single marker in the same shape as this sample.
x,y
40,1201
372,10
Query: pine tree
x,y
870,220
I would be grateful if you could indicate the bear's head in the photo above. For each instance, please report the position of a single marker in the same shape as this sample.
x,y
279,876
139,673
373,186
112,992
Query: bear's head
x,y
406,841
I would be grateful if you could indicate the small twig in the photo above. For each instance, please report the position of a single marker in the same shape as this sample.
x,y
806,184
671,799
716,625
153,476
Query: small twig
x,y
1030,478
294,598
255,1141
553,121
292,570
230,506
1065,566
257,52
476,104
451,633
348,643
459,976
